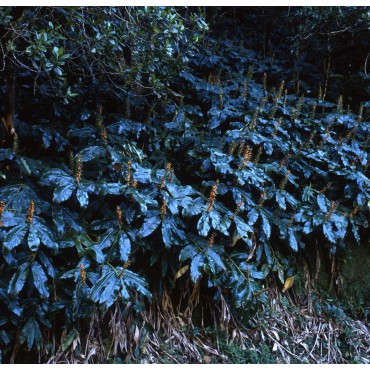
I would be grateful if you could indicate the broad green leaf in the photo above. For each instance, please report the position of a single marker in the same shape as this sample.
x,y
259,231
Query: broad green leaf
x,y
15,236
124,246
190,251
292,240
280,198
47,263
322,202
134,281
268,253
69,339
56,176
172,234
214,254
95,251
149,226
31,333
33,238
204,224
90,153
104,291
82,197
266,226
329,232
63,192
108,238
40,279
242,227
19,278
45,234
254,273
196,264
253,216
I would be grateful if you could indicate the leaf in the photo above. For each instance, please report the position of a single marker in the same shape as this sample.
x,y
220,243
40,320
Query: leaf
x,y
90,153
149,226
104,289
280,198
172,234
329,232
268,253
15,236
218,223
279,268
213,254
19,278
253,215
195,266
242,227
82,197
107,239
46,235
31,332
266,226
292,240
63,192
181,272
95,251
204,224
133,280
254,273
68,339
321,201
288,283
56,176
47,263
40,279
124,246
33,239
190,251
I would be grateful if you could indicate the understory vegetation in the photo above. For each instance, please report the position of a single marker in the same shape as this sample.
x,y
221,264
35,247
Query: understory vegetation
x,y
178,188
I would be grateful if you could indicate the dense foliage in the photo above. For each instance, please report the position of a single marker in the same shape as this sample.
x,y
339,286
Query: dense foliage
x,y
226,185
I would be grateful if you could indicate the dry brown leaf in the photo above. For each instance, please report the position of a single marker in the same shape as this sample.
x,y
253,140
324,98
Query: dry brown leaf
x,y
181,272
288,283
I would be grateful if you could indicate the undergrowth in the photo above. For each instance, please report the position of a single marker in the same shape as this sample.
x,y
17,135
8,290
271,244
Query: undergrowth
x,y
122,239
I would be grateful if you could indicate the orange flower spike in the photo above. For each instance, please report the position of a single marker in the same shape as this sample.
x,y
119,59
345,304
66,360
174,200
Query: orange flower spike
x,y
163,209
31,210
129,175
79,166
82,274
119,215
211,240
212,196
104,136
168,169
262,200
2,207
